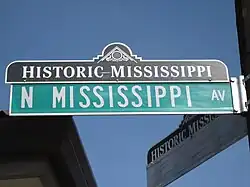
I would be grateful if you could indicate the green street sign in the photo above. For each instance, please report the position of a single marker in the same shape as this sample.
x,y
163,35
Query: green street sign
x,y
118,82
121,98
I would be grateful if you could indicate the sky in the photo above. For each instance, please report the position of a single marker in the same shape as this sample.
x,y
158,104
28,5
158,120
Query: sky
x,y
162,29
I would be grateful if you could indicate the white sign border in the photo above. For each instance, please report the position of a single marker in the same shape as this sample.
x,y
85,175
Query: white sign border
x,y
235,99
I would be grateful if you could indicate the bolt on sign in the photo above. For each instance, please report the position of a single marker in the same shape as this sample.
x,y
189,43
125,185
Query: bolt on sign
x,y
118,82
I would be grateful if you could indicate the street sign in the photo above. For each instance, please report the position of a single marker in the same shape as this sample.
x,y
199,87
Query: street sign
x,y
120,82
193,143
124,98
117,63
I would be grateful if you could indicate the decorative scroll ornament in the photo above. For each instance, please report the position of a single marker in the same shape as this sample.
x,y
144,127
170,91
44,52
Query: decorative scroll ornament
x,y
117,55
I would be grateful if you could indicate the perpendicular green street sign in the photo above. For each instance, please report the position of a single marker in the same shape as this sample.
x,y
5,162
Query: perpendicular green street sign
x,y
103,99
119,82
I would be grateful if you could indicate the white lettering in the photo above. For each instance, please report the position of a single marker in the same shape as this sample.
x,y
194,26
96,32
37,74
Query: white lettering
x,y
117,73
27,97
188,96
26,71
214,95
154,154
58,96
80,71
190,70
209,71
149,96
99,97
38,73
156,71
71,72
170,143
86,105
96,71
47,70
111,101
200,70
173,95
57,68
164,70
158,96
138,72
71,96
183,71
218,95
129,71
148,71
137,96
174,71
221,95
90,71
125,104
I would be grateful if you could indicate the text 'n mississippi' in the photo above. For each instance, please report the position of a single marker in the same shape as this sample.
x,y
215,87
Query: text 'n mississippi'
x,y
102,96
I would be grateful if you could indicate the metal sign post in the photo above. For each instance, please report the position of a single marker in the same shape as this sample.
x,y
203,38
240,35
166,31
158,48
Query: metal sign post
x,y
242,8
